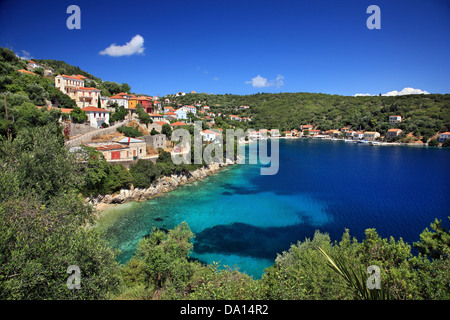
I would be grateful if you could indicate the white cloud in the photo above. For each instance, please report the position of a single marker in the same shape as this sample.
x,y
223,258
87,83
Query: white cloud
x,y
25,55
135,46
261,82
405,91
216,78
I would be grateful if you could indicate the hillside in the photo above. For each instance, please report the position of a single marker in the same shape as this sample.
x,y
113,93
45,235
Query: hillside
x,y
62,67
422,114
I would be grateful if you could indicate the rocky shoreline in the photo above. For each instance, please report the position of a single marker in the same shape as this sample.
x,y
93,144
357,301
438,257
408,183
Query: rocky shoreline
x,y
162,185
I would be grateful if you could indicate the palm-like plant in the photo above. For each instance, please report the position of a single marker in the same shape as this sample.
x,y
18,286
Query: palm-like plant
x,y
355,278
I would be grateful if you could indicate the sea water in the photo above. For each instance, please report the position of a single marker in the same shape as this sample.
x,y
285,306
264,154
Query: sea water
x,y
243,219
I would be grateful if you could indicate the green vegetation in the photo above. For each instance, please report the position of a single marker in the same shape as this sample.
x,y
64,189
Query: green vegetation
x,y
42,219
62,67
119,113
45,225
446,144
167,130
131,132
423,115
143,116
100,176
78,115
433,143
42,232
313,269
109,88
145,172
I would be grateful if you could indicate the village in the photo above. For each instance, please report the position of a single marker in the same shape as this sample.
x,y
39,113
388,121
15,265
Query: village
x,y
101,133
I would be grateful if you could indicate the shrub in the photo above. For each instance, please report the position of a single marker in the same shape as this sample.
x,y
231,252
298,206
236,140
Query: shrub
x,y
433,143
144,173
131,132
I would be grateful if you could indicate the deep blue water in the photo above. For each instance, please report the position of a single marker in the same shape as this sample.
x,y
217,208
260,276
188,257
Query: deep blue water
x,y
243,219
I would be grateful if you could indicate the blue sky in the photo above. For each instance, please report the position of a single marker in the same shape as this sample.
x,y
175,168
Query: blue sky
x,y
242,47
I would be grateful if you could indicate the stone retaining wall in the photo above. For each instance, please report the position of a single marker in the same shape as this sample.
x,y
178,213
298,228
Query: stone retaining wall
x,y
88,136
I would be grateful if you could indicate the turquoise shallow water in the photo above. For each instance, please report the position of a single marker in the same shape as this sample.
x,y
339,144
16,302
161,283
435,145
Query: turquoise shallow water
x,y
243,219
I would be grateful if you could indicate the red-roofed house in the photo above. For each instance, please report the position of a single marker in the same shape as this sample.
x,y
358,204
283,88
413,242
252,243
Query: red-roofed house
x,y
125,149
96,116
209,135
306,127
125,95
235,118
68,84
120,100
33,65
314,132
178,123
444,136
392,133
169,109
171,115
146,103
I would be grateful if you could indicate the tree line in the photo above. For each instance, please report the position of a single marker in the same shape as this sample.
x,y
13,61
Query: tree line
x,y
422,115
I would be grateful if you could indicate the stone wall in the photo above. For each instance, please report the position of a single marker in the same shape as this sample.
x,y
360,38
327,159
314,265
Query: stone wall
x,y
89,135
79,129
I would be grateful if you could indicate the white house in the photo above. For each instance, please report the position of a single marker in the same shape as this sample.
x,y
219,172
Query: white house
x,y
444,136
358,135
181,113
96,116
275,133
209,135
33,65
395,119
156,116
120,100
191,109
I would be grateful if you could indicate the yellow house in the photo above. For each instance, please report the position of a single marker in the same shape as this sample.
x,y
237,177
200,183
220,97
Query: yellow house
x,y
132,102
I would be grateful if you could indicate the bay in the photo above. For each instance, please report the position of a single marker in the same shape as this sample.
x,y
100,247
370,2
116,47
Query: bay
x,y
243,219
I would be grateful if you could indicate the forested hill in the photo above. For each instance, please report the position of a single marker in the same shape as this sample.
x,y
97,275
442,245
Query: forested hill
x,y
62,67
426,114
